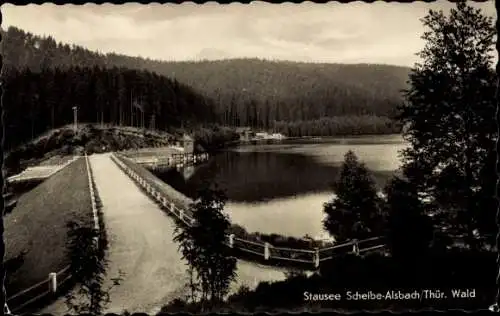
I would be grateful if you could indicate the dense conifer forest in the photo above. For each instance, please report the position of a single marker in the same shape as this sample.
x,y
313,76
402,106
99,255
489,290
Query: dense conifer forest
x,y
35,102
289,97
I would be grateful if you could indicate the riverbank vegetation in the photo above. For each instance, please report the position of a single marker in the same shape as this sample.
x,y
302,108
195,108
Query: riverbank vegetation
x,y
338,126
439,215
276,240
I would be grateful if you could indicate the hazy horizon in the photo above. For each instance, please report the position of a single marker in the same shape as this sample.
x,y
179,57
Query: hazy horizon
x,y
332,33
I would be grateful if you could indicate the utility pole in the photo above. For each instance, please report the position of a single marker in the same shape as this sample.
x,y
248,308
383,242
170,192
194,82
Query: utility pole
x,y
75,118
131,110
102,115
142,113
152,122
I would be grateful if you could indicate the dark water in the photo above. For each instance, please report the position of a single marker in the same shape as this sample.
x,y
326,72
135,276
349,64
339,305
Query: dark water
x,y
262,176
265,182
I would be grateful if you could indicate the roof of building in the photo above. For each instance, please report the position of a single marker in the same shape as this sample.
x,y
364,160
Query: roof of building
x,y
187,137
199,148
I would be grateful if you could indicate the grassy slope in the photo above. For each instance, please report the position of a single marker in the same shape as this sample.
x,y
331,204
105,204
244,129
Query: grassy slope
x,y
37,226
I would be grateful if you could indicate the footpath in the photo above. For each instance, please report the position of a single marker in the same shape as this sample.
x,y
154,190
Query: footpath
x,y
141,247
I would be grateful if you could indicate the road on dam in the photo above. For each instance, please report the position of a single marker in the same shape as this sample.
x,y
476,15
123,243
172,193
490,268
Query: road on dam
x,y
141,247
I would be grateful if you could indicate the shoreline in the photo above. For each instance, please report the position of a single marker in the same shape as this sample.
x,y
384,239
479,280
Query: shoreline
x,y
312,139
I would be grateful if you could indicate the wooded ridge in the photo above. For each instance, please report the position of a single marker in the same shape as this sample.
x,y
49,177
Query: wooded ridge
x,y
243,92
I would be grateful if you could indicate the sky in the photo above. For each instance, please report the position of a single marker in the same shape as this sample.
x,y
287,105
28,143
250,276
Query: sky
x,y
357,32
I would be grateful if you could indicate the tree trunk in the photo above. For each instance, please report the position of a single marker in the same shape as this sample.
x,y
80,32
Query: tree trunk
x,y
470,207
32,128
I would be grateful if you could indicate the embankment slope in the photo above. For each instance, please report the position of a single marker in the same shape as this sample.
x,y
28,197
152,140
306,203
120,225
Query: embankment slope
x,y
36,231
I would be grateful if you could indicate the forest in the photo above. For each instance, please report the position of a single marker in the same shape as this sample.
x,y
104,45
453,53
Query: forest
x,y
244,92
35,102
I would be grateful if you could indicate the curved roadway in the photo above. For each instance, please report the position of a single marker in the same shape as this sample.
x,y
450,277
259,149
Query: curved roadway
x,y
141,247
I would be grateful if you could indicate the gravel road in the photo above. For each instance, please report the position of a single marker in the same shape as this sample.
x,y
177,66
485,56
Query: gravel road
x,y
141,247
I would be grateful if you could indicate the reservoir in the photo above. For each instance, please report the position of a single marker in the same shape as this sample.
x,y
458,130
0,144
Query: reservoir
x,y
281,187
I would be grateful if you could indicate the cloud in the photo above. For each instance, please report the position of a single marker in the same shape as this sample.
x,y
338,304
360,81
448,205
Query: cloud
x,y
211,54
333,32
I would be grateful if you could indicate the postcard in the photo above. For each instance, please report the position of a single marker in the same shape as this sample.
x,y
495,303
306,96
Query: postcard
x,y
260,157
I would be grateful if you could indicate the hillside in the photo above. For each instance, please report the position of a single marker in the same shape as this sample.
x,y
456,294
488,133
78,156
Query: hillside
x,y
92,138
88,138
35,102
246,92
295,91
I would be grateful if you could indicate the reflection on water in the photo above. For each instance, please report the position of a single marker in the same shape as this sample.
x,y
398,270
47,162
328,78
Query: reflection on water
x,y
267,183
269,217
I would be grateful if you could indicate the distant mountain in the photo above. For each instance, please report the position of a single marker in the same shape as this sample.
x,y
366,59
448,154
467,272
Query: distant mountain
x,y
246,92
296,91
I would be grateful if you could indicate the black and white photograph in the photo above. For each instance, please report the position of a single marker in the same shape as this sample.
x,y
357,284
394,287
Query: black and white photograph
x,y
259,157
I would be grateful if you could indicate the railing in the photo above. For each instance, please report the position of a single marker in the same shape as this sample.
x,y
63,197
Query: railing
x,y
169,160
43,289
264,250
56,280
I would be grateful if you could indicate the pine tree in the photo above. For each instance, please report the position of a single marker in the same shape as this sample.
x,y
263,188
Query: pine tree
x,y
355,211
450,113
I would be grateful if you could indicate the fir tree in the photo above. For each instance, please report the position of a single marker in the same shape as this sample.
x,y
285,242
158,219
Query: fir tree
x,y
410,230
450,112
354,213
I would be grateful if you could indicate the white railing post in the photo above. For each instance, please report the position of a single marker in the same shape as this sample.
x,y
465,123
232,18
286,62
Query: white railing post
x,y
266,251
7,309
172,208
52,282
231,240
316,258
355,247
181,214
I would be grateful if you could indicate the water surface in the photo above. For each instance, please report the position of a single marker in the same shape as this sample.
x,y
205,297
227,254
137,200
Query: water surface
x,y
281,188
